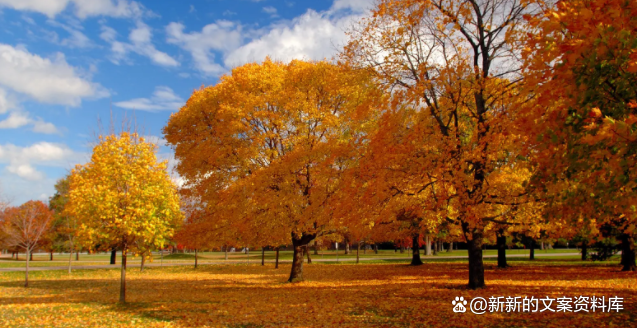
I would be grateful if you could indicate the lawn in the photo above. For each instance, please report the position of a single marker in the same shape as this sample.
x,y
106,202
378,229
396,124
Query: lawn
x,y
343,295
59,260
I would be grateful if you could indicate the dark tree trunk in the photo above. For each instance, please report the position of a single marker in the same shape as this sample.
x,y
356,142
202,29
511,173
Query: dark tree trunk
x,y
584,250
628,253
307,254
364,249
113,255
226,252
141,267
122,286
26,272
299,245
315,248
450,249
358,250
415,259
435,247
31,256
402,249
476,265
501,241
51,258
196,258
77,256
276,265
375,249
262,256
532,251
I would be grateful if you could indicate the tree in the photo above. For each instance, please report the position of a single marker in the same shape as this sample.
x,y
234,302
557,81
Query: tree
x,y
449,140
268,144
125,197
66,225
24,226
581,70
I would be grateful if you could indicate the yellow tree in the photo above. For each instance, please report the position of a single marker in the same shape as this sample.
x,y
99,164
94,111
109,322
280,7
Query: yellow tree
x,y
124,197
449,140
267,145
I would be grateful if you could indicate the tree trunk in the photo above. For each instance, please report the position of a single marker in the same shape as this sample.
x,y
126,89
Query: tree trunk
x,y
196,258
532,251
299,245
347,248
307,253
476,265
358,250
316,248
375,249
262,256
276,265
584,250
450,249
364,249
113,255
402,249
51,258
628,252
122,286
141,267
70,254
501,241
415,259
226,252
427,245
31,256
435,246
542,245
77,255
26,272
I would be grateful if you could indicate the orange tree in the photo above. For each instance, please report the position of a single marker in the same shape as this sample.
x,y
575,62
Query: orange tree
x,y
448,141
265,147
25,226
123,197
582,73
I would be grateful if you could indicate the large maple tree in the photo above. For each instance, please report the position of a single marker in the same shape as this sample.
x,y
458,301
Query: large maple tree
x,y
264,148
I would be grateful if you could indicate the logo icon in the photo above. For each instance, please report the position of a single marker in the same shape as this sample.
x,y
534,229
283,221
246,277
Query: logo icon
x,y
459,305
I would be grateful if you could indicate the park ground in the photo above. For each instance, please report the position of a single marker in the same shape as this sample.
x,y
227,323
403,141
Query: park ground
x,y
383,293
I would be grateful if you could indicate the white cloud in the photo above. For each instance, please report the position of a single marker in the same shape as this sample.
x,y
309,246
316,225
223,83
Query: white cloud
x,y
271,11
46,80
140,43
18,119
164,98
313,35
222,36
21,160
82,8
5,103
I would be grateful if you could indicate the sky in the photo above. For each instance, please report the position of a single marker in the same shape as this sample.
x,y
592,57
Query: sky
x,y
69,67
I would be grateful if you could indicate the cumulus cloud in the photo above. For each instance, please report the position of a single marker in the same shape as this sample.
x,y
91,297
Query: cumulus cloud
x,y
164,98
313,35
81,8
48,80
22,160
222,36
140,43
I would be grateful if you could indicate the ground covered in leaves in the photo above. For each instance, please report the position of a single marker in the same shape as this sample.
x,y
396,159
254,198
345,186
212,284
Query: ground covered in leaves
x,y
345,295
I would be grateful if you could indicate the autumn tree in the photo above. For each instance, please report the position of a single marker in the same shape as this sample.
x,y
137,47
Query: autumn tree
x,y
24,226
581,70
124,196
267,144
453,68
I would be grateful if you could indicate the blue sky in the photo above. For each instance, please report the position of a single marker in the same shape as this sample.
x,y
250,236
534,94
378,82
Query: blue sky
x,y
64,64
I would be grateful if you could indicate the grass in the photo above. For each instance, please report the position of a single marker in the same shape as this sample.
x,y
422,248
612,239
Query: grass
x,y
383,293
61,260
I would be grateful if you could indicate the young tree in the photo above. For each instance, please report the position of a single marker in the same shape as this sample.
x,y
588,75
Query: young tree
x,y
269,142
24,226
125,197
